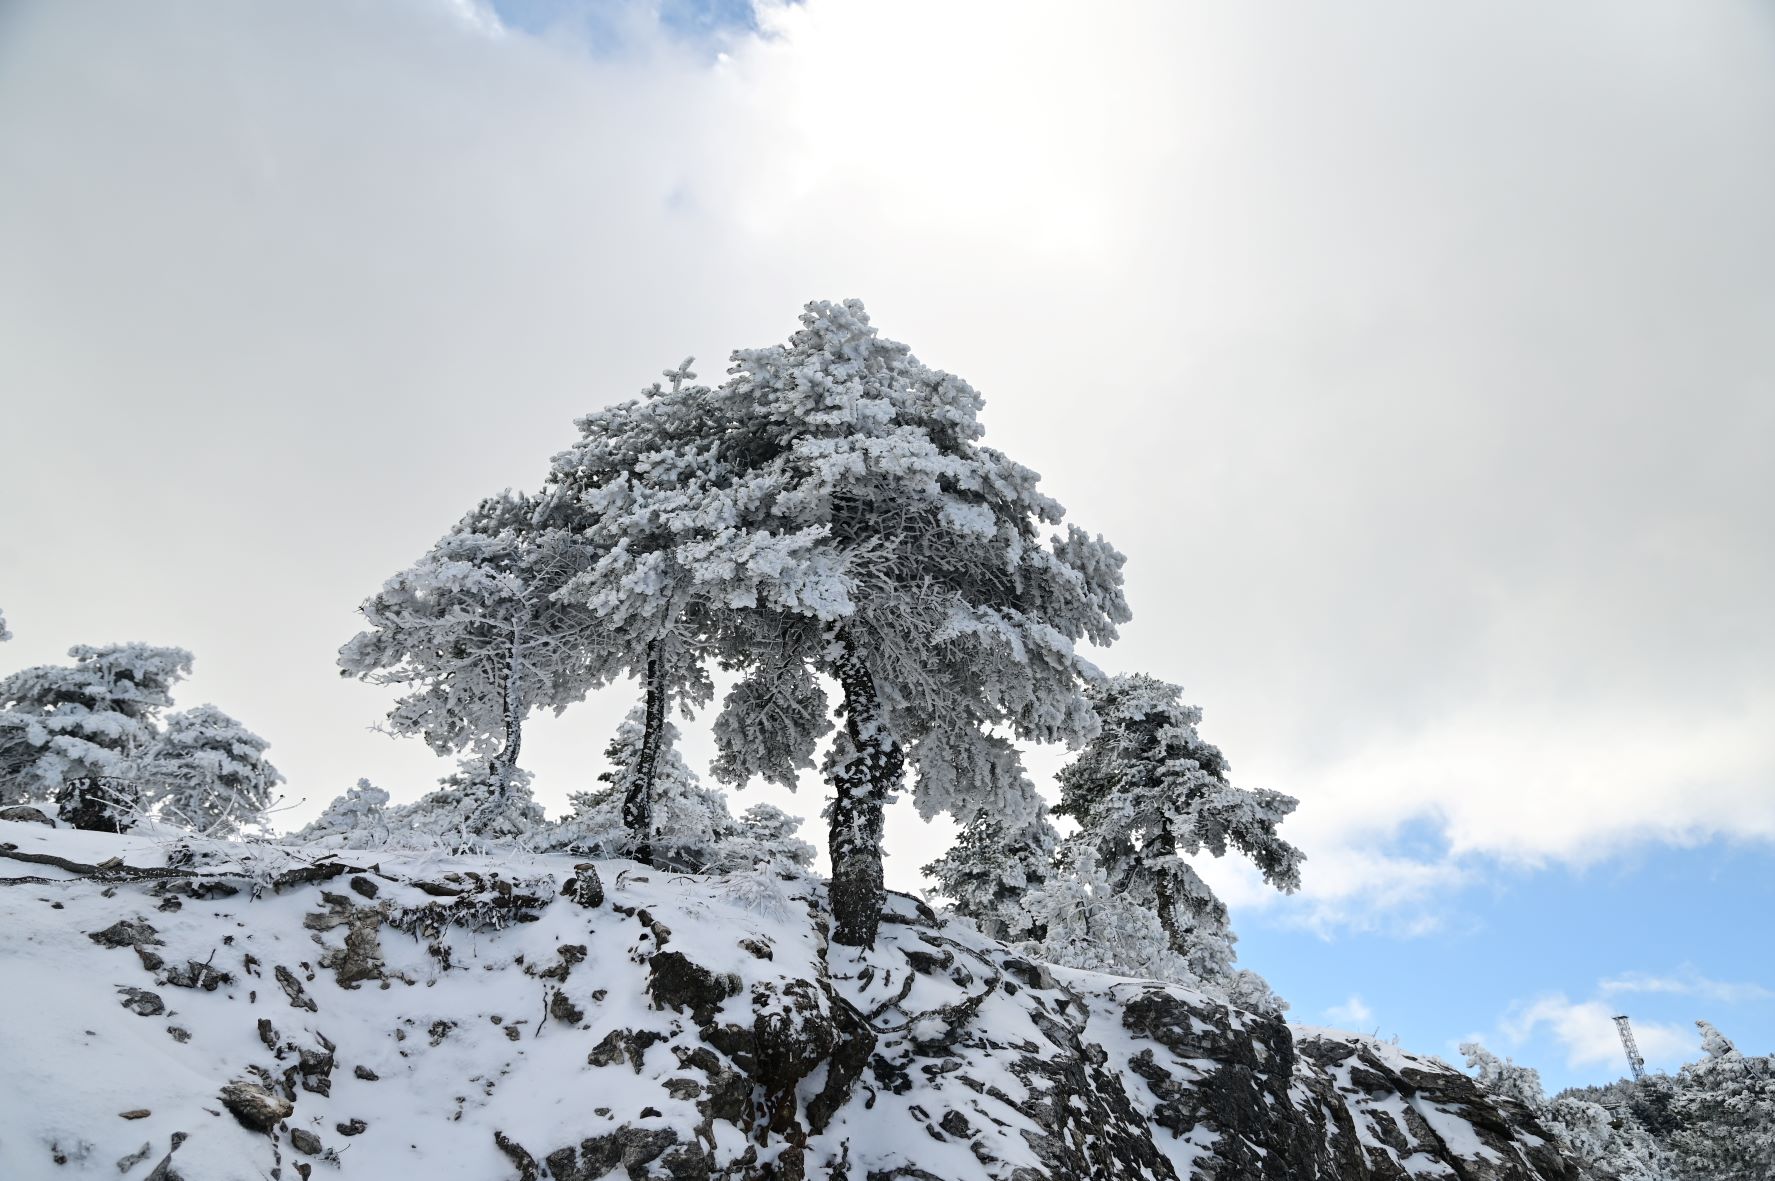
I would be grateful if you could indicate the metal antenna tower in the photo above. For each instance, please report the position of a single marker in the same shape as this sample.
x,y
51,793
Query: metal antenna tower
x,y
1634,1060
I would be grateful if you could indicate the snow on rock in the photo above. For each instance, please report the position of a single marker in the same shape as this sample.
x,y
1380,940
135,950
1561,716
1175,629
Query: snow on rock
x,y
201,1010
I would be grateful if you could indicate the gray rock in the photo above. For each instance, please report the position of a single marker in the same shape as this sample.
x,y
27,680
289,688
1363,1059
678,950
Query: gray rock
x,y
142,1002
630,1149
257,1108
126,1163
585,887
25,814
673,981
127,933
305,1142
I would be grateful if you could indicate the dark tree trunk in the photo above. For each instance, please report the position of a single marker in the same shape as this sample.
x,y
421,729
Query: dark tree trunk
x,y
493,795
637,803
862,786
514,712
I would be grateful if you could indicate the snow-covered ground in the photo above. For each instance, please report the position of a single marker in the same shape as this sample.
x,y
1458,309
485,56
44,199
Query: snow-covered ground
x,y
463,1018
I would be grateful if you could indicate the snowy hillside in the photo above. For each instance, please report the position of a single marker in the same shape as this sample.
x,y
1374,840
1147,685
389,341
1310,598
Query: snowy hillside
x,y
213,1011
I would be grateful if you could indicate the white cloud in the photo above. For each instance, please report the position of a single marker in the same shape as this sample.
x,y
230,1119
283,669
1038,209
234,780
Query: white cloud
x,y
1429,407
1586,1031
1352,1014
1688,982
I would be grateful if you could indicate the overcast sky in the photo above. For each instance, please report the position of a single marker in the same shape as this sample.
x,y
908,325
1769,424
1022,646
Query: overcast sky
x,y
1420,357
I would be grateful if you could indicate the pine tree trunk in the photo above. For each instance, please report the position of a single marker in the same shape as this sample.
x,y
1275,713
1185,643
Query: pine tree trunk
x,y
491,806
637,804
863,783
1175,936
514,713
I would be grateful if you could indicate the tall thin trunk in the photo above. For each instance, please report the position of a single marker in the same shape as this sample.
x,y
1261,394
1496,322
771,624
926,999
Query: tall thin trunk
x,y
507,761
637,804
862,784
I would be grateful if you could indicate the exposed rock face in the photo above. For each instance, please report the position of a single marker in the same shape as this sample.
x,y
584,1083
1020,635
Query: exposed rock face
x,y
522,1034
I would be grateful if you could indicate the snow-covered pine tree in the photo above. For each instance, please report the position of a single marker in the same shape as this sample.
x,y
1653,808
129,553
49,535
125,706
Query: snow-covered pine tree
x,y
649,500
1148,793
1715,1043
356,820
1608,1147
692,830
485,804
89,723
990,870
1722,1112
960,624
208,772
4,634
472,630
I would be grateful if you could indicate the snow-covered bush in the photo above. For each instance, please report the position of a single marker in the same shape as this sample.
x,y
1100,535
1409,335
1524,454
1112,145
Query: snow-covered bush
x,y
690,827
208,772
482,807
1723,1112
990,870
356,820
92,719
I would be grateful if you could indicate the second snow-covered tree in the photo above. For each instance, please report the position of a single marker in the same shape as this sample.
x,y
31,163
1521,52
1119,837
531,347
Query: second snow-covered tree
x,y
473,633
91,720
208,772
1148,794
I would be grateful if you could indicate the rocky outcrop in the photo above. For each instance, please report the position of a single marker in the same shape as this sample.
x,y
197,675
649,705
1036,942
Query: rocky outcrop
x,y
568,1022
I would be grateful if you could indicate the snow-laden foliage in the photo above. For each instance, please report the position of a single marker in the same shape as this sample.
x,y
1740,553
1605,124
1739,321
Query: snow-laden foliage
x,y
4,634
1148,793
1715,1043
990,869
1608,1145
473,633
1079,920
485,805
208,772
1502,1076
1722,1109
93,718
674,565
957,624
356,820
691,828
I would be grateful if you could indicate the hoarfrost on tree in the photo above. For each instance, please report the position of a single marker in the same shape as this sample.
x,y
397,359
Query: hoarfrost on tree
x,y
957,624
93,718
356,820
208,772
474,632
672,565
1149,793
692,829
